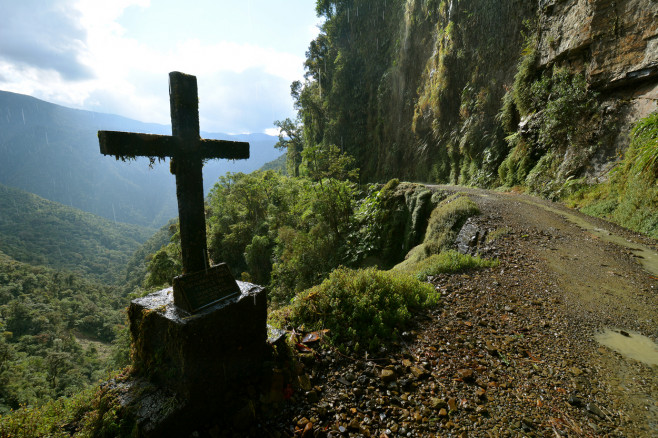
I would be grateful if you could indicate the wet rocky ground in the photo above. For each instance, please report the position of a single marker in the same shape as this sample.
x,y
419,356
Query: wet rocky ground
x,y
510,351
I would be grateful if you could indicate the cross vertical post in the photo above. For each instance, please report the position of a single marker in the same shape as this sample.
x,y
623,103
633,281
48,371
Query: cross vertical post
x,y
187,167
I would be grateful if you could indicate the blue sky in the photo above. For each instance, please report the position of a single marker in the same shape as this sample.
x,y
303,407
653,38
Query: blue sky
x,y
115,56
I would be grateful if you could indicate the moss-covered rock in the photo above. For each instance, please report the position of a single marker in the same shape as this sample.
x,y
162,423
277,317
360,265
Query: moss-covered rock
x,y
392,221
444,224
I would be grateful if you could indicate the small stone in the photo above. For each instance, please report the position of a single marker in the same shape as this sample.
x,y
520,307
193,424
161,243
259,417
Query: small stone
x,y
437,403
452,404
312,396
575,401
465,374
308,430
419,372
304,382
593,409
344,381
480,392
387,375
491,348
354,424
443,413
575,371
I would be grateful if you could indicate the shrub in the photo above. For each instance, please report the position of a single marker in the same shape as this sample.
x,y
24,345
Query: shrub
x,y
362,308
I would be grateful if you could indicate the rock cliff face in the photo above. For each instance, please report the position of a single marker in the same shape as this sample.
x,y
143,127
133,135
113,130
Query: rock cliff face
x,y
485,92
473,62
614,44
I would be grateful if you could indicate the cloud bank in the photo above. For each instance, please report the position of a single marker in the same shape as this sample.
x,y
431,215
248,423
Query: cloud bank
x,y
76,53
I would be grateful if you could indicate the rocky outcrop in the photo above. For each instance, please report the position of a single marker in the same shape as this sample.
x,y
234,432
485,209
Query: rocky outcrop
x,y
614,42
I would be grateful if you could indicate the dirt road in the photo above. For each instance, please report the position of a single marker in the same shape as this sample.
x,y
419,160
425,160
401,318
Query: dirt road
x,y
603,281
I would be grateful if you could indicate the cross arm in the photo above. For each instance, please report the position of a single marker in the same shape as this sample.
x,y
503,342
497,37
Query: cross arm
x,y
231,150
129,144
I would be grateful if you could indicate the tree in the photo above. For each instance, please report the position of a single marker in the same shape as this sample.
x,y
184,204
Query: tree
x,y
290,139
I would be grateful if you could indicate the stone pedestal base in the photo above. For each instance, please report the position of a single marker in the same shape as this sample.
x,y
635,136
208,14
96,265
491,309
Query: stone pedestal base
x,y
199,356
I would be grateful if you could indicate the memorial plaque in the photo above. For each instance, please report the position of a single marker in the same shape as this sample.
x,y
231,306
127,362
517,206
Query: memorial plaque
x,y
199,290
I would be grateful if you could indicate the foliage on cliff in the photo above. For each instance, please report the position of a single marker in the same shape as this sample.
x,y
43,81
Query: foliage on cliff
x,y
630,196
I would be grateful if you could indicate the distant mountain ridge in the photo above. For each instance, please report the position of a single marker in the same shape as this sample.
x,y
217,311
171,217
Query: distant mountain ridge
x,y
53,151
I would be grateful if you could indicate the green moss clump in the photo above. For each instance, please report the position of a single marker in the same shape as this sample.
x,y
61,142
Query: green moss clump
x,y
363,308
448,262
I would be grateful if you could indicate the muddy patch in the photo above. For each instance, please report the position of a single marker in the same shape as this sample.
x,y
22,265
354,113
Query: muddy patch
x,y
630,344
646,256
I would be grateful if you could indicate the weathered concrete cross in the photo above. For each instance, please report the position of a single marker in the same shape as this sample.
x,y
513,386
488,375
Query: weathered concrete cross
x,y
187,151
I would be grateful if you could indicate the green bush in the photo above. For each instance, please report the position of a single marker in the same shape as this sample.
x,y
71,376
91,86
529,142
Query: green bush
x,y
362,308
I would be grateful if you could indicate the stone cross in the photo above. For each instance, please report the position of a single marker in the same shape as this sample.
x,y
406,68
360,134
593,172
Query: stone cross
x,y
187,151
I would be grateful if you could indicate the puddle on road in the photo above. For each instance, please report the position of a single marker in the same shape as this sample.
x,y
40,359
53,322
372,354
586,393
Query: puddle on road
x,y
646,256
635,345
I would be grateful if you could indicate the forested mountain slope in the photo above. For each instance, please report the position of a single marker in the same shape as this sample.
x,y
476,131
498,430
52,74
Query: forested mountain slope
x,y
41,232
44,314
53,151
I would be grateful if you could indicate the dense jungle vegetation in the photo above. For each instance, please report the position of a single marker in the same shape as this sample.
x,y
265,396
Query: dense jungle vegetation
x,y
57,329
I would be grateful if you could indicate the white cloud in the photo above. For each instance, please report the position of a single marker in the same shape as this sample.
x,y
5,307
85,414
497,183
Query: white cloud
x,y
240,84
273,131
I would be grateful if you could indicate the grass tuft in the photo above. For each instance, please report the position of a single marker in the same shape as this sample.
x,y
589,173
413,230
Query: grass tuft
x,y
448,262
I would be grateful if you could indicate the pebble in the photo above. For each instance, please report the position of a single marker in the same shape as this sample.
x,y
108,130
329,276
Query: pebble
x,y
387,375
593,409
465,374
